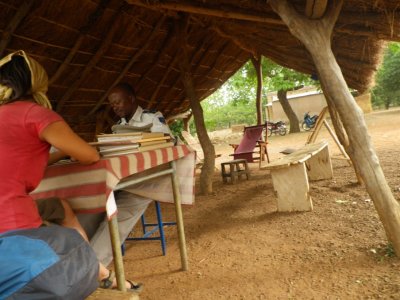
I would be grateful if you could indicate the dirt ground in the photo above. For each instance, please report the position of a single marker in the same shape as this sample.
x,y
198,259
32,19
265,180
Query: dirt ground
x,y
240,247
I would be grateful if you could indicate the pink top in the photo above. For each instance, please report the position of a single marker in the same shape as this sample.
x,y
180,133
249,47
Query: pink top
x,y
23,159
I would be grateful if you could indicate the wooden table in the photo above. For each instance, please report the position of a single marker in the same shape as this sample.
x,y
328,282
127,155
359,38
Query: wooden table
x,y
168,176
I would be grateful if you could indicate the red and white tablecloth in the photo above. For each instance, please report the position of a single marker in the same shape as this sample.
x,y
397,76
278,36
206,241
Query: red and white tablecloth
x,y
89,188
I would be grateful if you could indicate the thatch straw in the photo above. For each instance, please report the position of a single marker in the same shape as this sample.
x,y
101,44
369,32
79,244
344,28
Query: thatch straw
x,y
88,46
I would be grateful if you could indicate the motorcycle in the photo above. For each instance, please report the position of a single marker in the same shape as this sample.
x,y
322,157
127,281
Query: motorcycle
x,y
309,121
276,127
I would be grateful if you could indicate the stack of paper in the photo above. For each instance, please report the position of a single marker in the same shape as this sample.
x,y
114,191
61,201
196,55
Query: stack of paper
x,y
132,142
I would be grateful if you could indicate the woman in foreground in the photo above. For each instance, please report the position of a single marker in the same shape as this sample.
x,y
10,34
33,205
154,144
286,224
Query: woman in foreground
x,y
28,128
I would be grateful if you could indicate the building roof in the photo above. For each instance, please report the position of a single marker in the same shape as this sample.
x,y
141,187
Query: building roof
x,y
87,46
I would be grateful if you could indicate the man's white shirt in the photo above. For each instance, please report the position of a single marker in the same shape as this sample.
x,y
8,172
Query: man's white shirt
x,y
143,117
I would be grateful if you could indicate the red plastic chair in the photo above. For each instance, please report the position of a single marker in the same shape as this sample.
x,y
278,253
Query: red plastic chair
x,y
252,138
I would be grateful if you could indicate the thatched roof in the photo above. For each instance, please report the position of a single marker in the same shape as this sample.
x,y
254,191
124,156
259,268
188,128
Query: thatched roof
x,y
87,46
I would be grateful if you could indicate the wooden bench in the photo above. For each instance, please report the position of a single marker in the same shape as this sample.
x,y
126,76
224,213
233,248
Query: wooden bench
x,y
291,173
103,294
237,168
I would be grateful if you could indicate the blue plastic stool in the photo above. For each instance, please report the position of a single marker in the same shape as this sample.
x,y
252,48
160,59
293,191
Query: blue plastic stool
x,y
147,234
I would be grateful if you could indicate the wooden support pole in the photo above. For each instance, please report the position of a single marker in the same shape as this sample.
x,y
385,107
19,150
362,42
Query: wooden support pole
x,y
316,37
256,60
334,137
207,171
315,9
287,108
340,131
321,117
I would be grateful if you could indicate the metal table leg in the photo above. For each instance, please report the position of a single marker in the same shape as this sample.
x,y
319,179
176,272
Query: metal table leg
x,y
179,219
116,247
116,244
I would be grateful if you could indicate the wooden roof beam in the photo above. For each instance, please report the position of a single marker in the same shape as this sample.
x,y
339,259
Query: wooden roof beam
x,y
234,59
92,20
168,41
179,77
244,15
128,65
165,76
13,25
203,9
170,108
93,61
237,42
167,107
164,45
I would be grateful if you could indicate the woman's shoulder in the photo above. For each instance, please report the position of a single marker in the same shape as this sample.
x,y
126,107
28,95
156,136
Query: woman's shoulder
x,y
21,104
31,106
30,110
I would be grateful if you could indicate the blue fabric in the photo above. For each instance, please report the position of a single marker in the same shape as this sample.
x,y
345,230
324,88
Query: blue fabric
x,y
22,259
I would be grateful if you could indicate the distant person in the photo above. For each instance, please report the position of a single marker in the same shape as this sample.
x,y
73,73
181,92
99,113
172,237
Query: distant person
x,y
130,206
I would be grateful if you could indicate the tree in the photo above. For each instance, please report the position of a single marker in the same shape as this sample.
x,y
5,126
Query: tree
x,y
347,117
257,64
282,79
234,102
387,89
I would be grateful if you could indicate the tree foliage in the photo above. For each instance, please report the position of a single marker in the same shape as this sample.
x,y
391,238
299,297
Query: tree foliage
x,y
387,90
234,102
280,78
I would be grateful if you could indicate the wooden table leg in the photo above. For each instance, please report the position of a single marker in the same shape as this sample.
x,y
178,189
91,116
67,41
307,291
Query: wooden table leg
x,y
319,166
116,247
292,188
179,218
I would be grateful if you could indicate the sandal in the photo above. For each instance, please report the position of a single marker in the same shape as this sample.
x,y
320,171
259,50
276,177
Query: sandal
x,y
106,283
135,286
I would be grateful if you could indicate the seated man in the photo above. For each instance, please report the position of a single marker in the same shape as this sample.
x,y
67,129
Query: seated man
x,y
130,206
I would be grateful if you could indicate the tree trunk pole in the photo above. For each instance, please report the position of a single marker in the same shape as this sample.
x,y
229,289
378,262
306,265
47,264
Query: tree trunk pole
x,y
207,171
186,122
257,66
316,35
287,108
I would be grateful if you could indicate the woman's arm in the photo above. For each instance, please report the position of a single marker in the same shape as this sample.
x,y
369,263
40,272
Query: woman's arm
x,y
61,136
56,156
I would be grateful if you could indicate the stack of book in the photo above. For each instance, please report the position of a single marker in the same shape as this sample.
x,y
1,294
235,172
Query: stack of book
x,y
132,142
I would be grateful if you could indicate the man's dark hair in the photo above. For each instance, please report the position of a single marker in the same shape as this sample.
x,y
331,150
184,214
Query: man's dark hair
x,y
16,75
127,88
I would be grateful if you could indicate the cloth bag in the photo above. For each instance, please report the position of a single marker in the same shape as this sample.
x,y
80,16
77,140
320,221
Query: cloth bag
x,y
46,263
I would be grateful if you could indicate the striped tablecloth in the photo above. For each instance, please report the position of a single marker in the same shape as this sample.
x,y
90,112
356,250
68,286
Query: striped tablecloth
x,y
89,188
